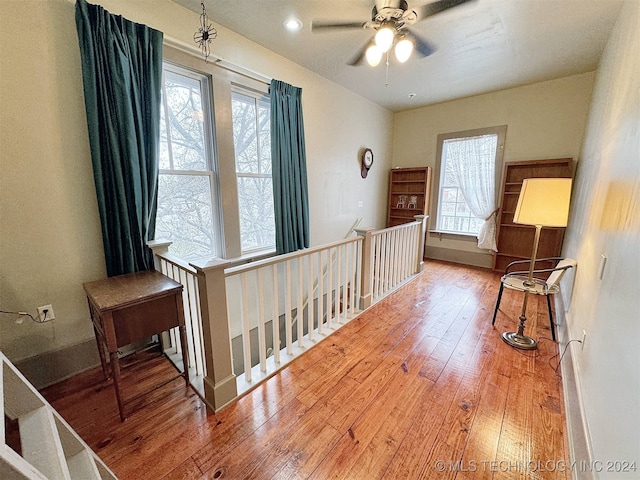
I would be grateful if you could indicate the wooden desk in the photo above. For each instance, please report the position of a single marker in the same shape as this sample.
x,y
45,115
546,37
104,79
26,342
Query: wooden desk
x,y
132,307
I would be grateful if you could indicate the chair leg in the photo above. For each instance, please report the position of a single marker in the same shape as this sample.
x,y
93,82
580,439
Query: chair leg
x,y
551,324
495,312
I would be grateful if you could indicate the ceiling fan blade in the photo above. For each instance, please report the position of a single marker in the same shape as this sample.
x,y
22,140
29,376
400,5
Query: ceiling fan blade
x,y
422,46
436,7
324,26
359,57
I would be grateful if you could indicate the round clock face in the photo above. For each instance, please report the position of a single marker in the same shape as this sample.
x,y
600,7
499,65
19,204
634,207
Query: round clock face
x,y
367,159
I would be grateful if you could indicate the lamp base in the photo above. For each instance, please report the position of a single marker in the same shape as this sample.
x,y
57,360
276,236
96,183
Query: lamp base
x,y
519,341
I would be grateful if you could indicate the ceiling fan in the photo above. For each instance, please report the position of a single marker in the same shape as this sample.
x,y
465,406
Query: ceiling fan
x,y
391,19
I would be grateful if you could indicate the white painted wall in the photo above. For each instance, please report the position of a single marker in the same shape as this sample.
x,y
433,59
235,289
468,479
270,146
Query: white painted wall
x,y
544,120
605,219
50,240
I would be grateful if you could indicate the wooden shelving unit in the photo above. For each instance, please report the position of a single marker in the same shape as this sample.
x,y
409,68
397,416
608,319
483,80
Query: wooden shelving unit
x,y
409,193
516,241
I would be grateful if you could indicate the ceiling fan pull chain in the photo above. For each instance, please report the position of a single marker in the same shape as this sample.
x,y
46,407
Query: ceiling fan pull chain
x,y
386,80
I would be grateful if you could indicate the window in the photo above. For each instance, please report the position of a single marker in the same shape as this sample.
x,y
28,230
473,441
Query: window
x,y
252,143
469,163
187,185
194,181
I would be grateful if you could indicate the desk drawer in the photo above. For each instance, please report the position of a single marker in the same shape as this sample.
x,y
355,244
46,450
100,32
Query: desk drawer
x,y
146,319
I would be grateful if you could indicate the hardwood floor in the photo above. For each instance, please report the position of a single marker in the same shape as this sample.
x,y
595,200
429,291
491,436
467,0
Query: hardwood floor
x,y
419,386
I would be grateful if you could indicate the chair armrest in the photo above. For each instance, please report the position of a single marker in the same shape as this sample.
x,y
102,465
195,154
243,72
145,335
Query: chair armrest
x,y
542,270
519,262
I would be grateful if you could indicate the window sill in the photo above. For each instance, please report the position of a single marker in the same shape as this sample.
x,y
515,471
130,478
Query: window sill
x,y
252,256
458,235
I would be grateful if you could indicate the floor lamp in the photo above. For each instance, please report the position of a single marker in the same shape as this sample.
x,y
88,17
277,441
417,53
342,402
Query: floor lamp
x,y
543,202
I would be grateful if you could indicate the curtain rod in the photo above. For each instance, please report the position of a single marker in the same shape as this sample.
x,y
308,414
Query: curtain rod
x,y
216,60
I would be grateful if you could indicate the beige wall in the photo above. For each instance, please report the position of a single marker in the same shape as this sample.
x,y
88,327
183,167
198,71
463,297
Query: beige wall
x,y
605,219
544,120
50,240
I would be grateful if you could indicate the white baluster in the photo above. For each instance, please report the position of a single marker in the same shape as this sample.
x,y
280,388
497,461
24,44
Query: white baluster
x,y
321,277
329,288
310,298
276,315
300,316
262,339
246,331
287,313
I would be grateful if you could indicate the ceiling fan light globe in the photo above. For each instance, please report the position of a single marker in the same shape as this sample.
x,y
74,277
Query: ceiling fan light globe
x,y
373,55
384,39
403,50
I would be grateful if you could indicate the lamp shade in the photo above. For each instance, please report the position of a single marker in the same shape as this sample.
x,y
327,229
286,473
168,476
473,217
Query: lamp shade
x,y
544,201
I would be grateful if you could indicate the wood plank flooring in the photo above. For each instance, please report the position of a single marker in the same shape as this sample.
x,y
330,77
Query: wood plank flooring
x,y
419,386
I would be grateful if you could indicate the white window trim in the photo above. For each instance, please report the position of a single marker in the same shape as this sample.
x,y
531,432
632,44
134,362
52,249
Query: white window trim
x,y
501,131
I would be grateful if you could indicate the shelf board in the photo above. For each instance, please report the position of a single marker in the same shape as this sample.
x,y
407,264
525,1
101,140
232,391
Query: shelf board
x,y
518,225
407,193
407,209
418,180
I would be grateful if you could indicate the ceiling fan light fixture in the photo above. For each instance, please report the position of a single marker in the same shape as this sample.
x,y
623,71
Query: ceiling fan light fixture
x,y
384,38
403,50
374,55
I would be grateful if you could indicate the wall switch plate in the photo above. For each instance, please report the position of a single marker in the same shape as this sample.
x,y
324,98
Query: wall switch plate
x,y
48,316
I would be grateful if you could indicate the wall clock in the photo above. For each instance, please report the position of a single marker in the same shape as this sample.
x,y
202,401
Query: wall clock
x,y
367,161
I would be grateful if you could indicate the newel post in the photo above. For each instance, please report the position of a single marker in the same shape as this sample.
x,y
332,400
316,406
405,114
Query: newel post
x,y
158,247
220,381
423,233
365,268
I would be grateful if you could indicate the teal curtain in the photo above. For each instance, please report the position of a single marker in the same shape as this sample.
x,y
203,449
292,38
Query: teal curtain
x,y
122,75
290,191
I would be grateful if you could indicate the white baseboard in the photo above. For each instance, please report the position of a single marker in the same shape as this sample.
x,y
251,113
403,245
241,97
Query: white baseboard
x,y
577,430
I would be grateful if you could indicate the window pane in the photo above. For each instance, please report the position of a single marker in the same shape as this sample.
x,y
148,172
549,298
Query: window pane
x,y
461,157
183,116
185,215
244,133
252,139
257,225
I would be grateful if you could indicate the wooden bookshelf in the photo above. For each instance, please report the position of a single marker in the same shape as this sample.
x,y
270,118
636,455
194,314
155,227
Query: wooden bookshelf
x,y
516,241
409,193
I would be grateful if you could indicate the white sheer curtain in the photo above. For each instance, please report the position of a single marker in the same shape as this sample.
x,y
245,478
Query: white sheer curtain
x,y
472,161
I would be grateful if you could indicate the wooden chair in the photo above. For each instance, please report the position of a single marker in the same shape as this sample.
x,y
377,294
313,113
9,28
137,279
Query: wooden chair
x,y
516,281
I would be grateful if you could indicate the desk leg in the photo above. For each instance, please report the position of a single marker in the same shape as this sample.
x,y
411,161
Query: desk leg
x,y
103,357
115,369
182,329
185,356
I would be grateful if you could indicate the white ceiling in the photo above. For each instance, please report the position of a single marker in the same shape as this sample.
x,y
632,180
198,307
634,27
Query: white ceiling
x,y
482,46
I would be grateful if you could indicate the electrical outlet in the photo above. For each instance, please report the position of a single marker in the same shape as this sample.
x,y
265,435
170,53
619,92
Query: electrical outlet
x,y
45,313
584,338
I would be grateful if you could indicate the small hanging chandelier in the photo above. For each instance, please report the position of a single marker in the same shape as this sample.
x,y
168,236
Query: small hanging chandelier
x,y
205,34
